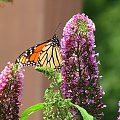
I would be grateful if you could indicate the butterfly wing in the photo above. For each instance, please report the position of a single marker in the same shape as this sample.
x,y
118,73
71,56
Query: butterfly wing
x,y
46,54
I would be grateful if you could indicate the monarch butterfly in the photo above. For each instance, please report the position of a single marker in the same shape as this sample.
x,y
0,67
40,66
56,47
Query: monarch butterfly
x,y
46,54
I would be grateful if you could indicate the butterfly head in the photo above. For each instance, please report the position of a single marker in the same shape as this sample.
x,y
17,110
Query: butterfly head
x,y
55,40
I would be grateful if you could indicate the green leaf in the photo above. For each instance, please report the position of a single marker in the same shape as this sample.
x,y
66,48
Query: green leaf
x,y
31,110
83,112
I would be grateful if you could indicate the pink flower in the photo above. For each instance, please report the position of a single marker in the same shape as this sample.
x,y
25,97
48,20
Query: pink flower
x,y
11,87
80,67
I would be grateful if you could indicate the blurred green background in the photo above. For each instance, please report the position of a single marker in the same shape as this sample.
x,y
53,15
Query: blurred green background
x,y
106,16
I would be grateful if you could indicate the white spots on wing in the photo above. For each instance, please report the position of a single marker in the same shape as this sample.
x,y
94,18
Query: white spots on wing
x,y
27,60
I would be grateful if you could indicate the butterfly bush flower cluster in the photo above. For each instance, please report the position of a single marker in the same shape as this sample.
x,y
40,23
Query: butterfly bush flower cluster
x,y
80,67
11,87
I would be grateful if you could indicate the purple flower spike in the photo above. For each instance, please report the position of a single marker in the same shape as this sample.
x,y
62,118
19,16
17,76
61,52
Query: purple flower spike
x,y
11,87
80,67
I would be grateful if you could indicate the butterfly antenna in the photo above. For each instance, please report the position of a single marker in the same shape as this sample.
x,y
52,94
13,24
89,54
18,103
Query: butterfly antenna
x,y
57,28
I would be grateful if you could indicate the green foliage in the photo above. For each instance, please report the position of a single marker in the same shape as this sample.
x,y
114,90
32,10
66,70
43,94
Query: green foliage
x,y
31,110
47,71
83,112
55,106
15,67
5,1
82,26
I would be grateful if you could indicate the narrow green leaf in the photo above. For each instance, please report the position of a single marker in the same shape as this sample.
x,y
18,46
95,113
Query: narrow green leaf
x,y
31,110
83,112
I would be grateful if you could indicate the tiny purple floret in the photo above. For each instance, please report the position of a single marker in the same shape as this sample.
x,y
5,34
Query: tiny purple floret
x,y
11,87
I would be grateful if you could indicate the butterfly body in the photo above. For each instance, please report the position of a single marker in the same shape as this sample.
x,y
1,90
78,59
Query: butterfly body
x,y
46,54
